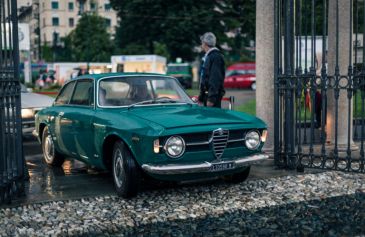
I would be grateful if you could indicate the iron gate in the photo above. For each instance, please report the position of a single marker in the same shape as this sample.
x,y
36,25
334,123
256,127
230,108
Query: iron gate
x,y
11,157
320,84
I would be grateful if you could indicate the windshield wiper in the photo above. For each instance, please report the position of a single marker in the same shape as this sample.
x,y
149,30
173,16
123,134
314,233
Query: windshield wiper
x,y
141,103
166,100
154,101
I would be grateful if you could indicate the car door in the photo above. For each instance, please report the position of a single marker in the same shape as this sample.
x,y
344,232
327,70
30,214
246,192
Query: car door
x,y
82,118
62,124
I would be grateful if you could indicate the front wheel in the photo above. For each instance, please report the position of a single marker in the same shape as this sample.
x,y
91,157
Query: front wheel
x,y
51,155
253,86
239,177
126,174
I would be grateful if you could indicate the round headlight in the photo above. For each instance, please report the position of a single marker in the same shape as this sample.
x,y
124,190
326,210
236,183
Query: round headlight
x,y
175,146
252,140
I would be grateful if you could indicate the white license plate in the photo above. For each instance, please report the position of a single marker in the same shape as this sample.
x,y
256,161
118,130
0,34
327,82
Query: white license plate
x,y
222,166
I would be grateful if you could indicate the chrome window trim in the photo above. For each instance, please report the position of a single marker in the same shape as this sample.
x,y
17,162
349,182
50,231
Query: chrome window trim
x,y
125,106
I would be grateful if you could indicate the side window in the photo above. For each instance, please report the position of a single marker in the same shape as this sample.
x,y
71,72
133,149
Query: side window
x,y
65,95
84,93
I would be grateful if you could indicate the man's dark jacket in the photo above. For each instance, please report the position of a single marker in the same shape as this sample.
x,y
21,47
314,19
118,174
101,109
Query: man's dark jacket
x,y
212,78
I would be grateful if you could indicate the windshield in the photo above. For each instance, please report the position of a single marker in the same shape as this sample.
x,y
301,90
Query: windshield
x,y
126,91
178,69
240,72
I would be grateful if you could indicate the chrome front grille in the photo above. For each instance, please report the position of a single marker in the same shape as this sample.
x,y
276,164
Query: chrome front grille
x,y
219,141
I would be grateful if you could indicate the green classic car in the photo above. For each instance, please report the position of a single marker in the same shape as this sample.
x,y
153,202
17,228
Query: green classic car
x,y
140,126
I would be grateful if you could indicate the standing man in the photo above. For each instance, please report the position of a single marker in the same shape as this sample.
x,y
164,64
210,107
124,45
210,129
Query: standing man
x,y
212,73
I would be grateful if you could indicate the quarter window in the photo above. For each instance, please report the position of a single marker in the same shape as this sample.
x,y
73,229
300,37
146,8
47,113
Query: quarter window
x,y
84,94
65,95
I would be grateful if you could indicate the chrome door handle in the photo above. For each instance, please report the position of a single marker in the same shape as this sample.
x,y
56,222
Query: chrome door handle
x,y
61,113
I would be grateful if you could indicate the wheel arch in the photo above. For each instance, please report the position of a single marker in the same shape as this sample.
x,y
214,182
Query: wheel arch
x,y
107,149
42,126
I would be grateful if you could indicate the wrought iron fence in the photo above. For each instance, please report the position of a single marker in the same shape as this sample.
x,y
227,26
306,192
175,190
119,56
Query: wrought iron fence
x,y
11,154
320,84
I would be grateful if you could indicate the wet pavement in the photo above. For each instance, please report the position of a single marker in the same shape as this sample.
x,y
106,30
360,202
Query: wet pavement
x,y
75,180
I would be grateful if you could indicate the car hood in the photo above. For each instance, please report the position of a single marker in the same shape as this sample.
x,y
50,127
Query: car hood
x,y
34,100
183,116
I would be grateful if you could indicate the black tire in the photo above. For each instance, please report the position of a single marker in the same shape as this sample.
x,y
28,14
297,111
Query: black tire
x,y
125,170
51,156
239,177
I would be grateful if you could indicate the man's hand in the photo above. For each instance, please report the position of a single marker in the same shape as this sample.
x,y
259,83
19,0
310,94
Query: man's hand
x,y
210,104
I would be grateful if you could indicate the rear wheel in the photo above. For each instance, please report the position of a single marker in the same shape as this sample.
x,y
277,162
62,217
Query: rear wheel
x,y
51,156
239,177
126,174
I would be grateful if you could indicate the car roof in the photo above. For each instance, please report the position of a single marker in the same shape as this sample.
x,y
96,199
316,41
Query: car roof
x,y
115,74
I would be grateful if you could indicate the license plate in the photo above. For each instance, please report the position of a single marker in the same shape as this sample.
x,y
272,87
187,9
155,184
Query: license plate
x,y
222,166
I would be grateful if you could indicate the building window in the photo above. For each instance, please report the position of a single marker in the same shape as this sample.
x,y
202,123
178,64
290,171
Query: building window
x,y
55,38
107,7
44,22
71,22
70,6
108,22
92,6
54,5
55,21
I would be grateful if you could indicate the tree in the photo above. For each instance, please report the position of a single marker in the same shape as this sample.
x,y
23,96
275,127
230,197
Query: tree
x,y
177,25
90,41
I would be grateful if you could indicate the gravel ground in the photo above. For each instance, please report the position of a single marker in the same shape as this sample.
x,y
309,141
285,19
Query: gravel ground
x,y
323,204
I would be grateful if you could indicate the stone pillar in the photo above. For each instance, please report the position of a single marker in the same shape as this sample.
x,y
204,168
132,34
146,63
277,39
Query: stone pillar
x,y
345,45
265,66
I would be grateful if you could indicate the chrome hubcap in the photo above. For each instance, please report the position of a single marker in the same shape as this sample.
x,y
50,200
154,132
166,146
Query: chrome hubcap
x,y
118,168
48,148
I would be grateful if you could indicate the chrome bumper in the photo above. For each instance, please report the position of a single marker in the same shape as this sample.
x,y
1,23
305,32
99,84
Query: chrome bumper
x,y
35,133
202,167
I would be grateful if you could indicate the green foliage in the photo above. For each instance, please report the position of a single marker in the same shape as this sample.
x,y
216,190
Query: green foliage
x,y
90,40
47,53
173,28
161,49
249,107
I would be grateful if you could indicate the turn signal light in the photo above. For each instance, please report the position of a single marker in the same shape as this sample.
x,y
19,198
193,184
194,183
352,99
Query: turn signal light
x,y
263,136
156,146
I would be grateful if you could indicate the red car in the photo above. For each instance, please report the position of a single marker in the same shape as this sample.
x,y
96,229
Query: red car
x,y
241,75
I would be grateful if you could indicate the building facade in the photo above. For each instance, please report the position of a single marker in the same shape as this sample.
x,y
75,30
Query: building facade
x,y
51,20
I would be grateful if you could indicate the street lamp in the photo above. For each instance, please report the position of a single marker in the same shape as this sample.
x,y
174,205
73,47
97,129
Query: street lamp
x,y
55,44
38,30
